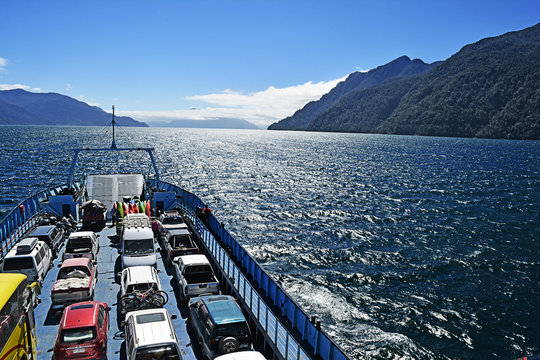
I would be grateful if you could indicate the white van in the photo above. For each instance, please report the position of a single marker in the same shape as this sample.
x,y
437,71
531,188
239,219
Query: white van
x,y
31,257
137,242
150,334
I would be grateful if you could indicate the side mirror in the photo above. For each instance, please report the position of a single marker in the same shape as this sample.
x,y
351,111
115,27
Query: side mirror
x,y
174,317
59,265
108,308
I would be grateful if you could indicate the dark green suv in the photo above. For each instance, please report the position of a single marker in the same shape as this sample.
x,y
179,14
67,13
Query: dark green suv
x,y
219,324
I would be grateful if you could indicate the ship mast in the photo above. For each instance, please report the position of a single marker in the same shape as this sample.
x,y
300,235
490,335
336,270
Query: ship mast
x,y
113,145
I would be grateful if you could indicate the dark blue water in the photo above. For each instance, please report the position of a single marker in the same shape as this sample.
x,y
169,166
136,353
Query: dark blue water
x,y
405,247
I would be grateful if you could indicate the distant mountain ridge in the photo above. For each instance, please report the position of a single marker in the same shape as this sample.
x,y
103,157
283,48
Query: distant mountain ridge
x,y
222,123
488,89
20,107
400,67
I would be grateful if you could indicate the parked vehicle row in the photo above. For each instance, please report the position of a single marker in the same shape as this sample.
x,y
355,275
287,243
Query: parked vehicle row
x,y
216,319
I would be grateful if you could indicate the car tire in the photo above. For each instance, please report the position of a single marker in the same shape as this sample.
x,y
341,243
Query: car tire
x,y
228,345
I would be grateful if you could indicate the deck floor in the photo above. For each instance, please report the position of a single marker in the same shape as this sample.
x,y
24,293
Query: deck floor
x,y
108,290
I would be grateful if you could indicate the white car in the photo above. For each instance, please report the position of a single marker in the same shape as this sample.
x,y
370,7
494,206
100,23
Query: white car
x,y
137,242
139,278
242,355
31,257
140,289
81,244
150,335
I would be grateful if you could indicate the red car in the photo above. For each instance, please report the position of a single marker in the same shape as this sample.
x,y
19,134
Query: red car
x,y
76,282
82,333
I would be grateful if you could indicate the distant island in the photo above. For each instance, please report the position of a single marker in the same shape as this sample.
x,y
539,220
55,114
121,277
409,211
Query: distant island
x,y
20,107
489,89
221,123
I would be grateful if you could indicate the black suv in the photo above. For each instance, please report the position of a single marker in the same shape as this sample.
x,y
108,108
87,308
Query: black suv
x,y
219,324
51,235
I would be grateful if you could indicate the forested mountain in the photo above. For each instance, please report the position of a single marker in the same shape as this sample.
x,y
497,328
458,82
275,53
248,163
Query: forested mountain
x,y
488,89
20,107
400,67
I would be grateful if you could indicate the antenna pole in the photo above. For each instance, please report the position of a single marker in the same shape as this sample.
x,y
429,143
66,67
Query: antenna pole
x,y
113,145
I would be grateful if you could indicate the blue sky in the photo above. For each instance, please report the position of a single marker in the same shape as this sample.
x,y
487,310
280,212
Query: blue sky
x,y
256,60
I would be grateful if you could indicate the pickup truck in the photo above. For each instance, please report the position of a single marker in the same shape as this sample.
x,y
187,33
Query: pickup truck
x,y
178,242
194,276
81,244
76,282
170,220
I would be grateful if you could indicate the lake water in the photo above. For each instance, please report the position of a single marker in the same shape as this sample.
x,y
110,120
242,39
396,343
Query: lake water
x,y
405,247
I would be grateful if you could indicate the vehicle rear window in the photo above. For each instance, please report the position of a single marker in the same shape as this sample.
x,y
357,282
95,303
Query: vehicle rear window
x,y
44,238
18,263
79,245
232,329
78,335
141,287
150,318
158,352
198,269
172,220
73,272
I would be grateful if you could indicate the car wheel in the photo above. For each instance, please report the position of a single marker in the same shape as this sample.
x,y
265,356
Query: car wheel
x,y
228,345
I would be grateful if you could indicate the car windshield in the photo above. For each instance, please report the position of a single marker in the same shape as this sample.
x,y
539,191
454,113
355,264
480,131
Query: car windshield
x,y
232,329
18,263
158,352
78,335
138,247
79,245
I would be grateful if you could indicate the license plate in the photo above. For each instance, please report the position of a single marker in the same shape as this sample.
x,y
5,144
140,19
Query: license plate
x,y
78,350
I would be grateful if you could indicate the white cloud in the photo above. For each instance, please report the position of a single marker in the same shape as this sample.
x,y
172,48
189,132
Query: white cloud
x,y
19,86
81,98
68,86
3,62
261,108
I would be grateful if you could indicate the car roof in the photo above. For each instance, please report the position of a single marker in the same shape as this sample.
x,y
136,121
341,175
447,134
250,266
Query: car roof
x,y
42,230
223,309
81,314
155,332
139,274
81,234
194,259
10,282
242,355
13,251
76,262
181,231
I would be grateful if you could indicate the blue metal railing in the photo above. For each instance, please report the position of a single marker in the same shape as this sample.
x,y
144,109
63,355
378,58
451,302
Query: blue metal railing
x,y
282,310
21,219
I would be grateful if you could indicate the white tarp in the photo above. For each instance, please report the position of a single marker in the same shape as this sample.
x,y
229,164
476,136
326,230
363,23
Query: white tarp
x,y
112,188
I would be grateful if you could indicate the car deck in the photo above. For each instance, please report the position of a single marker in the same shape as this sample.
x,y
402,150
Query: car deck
x,y
108,290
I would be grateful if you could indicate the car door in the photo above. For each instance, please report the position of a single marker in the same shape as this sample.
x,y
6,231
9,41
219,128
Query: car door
x,y
103,324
